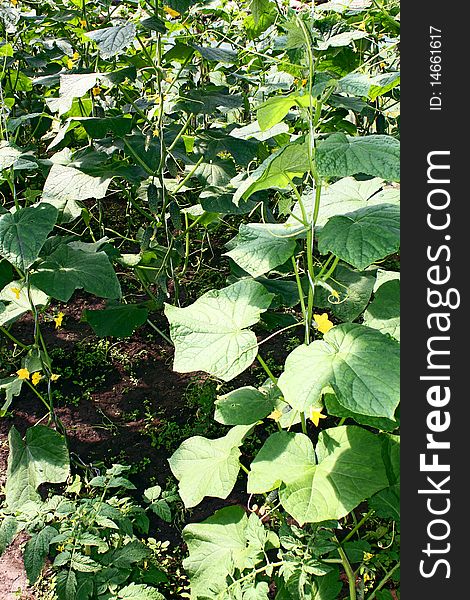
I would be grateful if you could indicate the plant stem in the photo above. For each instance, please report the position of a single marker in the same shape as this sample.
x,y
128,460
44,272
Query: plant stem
x,y
266,368
12,338
384,581
358,525
160,332
349,573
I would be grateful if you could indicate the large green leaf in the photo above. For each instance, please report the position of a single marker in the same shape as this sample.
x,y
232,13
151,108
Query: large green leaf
x,y
139,591
66,270
345,196
23,233
354,290
377,155
333,407
207,467
111,40
117,321
363,236
42,457
274,110
36,551
383,313
8,529
224,543
386,502
277,171
244,406
361,364
211,334
209,100
283,457
361,84
259,247
19,301
350,469
65,186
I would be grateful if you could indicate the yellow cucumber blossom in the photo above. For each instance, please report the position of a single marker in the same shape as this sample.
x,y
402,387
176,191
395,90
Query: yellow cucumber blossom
x,y
58,320
315,414
23,373
275,415
54,377
96,91
36,378
83,22
171,12
16,291
323,323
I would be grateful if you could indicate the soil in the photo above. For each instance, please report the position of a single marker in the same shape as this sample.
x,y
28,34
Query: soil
x,y
13,581
139,391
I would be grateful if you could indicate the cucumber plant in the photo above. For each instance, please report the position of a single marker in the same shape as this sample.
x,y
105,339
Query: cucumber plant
x,y
135,137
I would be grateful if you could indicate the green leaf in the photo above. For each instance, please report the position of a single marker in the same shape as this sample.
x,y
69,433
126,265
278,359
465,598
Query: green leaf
x,y
383,313
244,406
216,172
350,469
207,467
282,458
66,586
111,40
23,233
211,334
361,365
326,587
263,14
363,236
65,186
216,548
341,39
8,529
276,171
259,247
216,54
377,155
386,503
333,407
144,151
220,200
139,591
42,457
97,128
116,321
36,551
354,289
362,84
84,564
66,270
17,306
208,100
274,110
12,387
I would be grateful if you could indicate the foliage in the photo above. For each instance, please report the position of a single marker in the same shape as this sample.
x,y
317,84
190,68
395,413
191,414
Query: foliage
x,y
136,137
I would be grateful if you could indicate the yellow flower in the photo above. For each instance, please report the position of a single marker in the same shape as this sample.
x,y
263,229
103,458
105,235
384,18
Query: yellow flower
x,y
366,577
323,323
368,556
171,12
96,91
75,56
36,378
23,373
304,82
335,294
58,320
17,292
315,414
54,377
14,2
83,22
69,64
275,415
